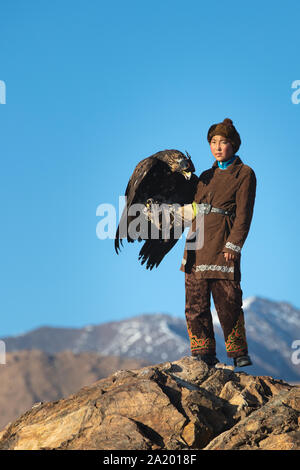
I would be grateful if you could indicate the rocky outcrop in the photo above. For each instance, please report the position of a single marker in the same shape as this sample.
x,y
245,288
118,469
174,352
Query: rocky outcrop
x,y
34,376
180,405
273,426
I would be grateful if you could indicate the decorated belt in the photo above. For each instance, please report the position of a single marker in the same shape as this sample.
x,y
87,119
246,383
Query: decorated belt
x,y
204,208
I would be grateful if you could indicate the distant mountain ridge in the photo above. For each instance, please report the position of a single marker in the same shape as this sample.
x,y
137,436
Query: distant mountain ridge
x,y
271,329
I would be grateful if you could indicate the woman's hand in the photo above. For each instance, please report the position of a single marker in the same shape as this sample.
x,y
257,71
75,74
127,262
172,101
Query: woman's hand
x,y
229,256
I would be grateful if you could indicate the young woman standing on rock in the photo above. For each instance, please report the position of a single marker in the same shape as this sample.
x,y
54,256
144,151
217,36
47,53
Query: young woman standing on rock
x,y
225,195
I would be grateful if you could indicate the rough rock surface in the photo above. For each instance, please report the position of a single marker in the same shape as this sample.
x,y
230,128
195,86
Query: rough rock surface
x,y
33,376
180,405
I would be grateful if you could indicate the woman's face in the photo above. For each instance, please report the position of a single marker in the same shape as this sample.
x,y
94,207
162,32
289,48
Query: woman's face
x,y
221,148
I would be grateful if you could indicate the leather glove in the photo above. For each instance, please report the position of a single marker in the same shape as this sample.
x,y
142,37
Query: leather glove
x,y
177,214
185,214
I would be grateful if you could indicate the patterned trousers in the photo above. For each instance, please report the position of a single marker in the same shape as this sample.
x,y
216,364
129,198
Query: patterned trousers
x,y
227,296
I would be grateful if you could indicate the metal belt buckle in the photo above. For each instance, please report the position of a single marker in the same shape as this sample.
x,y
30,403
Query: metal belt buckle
x,y
204,208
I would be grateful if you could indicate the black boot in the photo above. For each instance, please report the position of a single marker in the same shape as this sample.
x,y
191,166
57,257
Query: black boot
x,y
242,361
209,359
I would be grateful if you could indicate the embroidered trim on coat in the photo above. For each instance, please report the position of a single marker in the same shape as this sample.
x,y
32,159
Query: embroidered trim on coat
x,y
233,247
214,267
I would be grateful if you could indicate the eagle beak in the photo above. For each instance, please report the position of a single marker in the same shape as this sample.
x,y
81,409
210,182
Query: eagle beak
x,y
187,175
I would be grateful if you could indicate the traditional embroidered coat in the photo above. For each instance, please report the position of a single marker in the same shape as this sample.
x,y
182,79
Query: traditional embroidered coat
x,y
232,189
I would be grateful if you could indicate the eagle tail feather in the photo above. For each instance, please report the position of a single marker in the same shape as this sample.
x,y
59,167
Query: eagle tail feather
x,y
153,252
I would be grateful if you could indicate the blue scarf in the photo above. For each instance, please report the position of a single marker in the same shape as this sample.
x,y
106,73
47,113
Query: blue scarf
x,y
224,165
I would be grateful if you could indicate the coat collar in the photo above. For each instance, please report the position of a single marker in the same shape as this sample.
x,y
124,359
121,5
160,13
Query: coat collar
x,y
232,168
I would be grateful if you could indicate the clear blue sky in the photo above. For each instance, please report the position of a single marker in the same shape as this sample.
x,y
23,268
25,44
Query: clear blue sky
x,y
92,87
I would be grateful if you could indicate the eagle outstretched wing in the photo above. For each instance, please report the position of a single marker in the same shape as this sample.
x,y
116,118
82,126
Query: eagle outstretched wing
x,y
141,170
165,177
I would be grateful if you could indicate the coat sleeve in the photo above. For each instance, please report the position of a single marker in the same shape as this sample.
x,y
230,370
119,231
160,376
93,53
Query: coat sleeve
x,y
245,198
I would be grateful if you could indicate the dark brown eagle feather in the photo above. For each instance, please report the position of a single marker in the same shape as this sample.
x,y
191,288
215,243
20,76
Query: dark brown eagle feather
x,y
159,177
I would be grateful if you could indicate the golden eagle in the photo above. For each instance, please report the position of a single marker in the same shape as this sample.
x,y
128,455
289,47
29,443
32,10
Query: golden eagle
x,y
166,177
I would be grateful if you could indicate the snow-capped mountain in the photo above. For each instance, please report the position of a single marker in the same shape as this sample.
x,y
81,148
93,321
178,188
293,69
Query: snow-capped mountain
x,y
155,337
273,329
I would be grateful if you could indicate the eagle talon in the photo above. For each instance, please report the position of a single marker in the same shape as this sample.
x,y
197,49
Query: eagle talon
x,y
149,203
